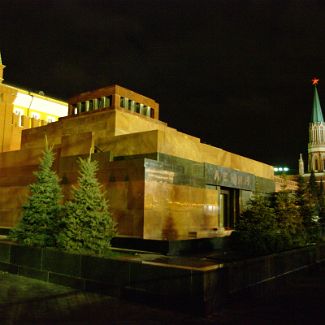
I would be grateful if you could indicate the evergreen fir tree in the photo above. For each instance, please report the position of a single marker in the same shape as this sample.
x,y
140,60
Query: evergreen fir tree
x,y
307,202
257,231
321,202
313,188
301,191
289,218
87,225
39,223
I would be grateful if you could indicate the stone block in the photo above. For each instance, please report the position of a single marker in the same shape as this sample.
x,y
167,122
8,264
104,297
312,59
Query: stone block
x,y
6,267
105,270
4,253
103,288
282,263
255,270
198,170
77,144
197,285
69,281
264,185
167,281
26,256
216,286
33,273
237,276
61,262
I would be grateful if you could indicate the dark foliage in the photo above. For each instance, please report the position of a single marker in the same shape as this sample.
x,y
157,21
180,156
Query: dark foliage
x,y
257,231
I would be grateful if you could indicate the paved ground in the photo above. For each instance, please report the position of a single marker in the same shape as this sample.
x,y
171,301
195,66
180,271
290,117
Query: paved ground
x,y
28,301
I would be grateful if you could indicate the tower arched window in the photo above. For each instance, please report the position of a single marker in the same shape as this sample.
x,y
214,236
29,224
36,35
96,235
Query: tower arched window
x,y
316,164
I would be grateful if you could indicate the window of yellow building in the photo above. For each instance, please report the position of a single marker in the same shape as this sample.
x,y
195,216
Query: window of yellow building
x,y
50,119
19,113
35,115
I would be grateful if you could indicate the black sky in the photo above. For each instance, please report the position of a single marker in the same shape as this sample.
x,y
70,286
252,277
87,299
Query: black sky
x,y
237,74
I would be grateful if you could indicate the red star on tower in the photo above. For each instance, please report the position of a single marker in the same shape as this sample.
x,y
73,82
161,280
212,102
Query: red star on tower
x,y
315,81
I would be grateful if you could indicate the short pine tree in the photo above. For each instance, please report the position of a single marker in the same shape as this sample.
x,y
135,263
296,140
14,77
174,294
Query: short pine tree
x,y
87,226
257,231
39,223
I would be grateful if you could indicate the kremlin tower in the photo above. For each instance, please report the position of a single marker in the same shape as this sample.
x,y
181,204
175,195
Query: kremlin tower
x,y
316,144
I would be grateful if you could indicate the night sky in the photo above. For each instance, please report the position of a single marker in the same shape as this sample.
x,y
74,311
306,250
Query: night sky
x,y
237,74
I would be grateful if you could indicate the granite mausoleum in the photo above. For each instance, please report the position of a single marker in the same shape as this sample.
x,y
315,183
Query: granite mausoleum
x,y
161,183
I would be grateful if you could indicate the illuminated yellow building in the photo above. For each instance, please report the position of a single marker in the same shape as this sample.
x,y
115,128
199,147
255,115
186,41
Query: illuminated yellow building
x,y
21,109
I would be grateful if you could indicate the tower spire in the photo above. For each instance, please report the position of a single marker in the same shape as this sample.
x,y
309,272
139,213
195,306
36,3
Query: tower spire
x,y
301,165
316,145
317,115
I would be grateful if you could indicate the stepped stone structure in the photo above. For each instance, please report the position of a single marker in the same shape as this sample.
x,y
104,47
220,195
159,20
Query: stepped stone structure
x,y
161,184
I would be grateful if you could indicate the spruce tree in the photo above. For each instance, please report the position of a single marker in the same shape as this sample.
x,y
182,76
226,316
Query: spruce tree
x,y
301,191
257,231
307,202
87,225
289,218
39,222
313,188
321,202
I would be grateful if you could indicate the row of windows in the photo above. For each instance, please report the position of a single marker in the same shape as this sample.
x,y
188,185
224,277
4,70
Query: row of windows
x,y
34,115
317,134
317,165
93,104
136,107
106,101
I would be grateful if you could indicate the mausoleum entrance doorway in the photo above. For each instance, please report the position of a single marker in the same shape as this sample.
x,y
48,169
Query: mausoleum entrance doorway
x,y
229,206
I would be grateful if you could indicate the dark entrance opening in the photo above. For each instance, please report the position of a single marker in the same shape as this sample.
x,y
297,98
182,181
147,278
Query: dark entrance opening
x,y
229,207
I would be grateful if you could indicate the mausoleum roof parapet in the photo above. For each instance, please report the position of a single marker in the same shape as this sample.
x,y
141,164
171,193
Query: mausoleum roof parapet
x,y
113,97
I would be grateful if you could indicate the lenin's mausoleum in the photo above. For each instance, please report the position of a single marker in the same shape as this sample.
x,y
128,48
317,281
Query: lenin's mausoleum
x,y
161,183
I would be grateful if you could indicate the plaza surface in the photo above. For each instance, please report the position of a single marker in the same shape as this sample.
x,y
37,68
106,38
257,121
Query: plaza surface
x,y
28,301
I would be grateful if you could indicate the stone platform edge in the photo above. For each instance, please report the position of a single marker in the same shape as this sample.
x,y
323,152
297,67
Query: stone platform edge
x,y
195,290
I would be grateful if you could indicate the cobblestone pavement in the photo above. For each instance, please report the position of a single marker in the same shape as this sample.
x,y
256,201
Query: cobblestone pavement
x,y
28,301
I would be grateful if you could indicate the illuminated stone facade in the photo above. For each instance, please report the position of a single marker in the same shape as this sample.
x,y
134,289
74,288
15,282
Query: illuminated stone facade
x,y
21,109
161,183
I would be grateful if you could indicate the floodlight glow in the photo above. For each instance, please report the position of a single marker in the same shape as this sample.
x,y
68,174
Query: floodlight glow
x,y
280,169
41,104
